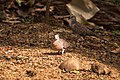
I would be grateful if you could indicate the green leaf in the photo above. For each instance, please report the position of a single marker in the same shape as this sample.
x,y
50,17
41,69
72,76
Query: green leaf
x,y
117,32
19,2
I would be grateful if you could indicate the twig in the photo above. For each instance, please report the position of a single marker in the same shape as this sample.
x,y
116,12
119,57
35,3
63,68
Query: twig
x,y
47,10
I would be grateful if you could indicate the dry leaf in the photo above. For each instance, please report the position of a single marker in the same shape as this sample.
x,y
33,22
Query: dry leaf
x,y
117,50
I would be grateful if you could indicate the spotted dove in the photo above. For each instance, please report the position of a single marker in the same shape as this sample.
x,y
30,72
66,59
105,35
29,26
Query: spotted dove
x,y
77,27
60,44
80,29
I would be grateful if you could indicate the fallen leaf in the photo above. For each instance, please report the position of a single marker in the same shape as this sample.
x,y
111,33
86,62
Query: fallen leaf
x,y
75,71
117,50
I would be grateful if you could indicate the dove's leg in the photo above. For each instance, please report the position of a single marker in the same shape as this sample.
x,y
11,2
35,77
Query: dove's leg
x,y
63,51
59,52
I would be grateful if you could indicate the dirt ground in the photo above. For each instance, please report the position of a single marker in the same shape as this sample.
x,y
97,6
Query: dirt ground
x,y
26,52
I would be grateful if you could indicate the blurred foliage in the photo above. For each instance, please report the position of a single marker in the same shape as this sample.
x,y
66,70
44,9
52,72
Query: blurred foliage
x,y
115,1
116,32
2,15
30,2
19,2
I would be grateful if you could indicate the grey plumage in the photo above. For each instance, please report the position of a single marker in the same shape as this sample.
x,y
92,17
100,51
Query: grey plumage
x,y
79,28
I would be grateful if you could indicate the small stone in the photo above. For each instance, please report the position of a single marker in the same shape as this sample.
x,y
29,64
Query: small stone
x,y
70,65
100,68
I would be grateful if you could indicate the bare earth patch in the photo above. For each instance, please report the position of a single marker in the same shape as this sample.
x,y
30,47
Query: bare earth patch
x,y
26,53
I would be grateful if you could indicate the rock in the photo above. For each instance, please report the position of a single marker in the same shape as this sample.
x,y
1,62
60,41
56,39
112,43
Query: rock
x,y
84,8
85,65
100,68
70,65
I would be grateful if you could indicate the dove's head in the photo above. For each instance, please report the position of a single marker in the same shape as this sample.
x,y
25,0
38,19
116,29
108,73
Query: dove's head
x,y
57,37
71,20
